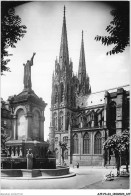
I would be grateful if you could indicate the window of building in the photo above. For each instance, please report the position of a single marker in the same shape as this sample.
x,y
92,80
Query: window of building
x,y
66,154
75,144
61,120
86,144
97,143
56,140
72,97
56,94
112,123
62,92
55,121
65,139
96,120
68,119
68,95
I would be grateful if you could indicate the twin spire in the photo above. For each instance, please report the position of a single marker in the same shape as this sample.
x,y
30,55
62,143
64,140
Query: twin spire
x,y
64,56
64,11
82,64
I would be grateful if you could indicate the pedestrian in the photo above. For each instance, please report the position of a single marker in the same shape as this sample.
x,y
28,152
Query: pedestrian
x,y
77,165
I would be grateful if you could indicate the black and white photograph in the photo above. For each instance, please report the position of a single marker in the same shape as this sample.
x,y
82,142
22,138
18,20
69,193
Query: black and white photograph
x,y
65,98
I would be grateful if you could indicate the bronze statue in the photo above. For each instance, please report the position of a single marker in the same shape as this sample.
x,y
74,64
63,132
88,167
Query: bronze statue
x,y
27,73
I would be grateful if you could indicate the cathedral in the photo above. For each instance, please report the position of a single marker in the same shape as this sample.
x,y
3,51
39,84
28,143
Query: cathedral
x,y
80,118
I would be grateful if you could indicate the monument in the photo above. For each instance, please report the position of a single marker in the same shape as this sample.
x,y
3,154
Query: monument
x,y
27,111
28,154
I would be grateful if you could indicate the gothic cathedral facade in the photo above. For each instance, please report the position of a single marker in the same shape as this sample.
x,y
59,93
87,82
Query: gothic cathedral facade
x,y
80,118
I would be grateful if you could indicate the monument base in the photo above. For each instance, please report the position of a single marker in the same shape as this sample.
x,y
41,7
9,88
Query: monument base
x,y
19,148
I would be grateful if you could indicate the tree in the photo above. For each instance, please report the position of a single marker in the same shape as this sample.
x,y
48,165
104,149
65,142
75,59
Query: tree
x,y
63,146
118,29
4,139
11,32
120,145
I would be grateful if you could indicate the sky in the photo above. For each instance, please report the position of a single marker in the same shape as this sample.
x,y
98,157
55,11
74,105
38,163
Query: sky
x,y
44,27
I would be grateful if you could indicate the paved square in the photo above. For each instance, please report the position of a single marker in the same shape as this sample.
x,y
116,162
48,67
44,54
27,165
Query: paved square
x,y
86,178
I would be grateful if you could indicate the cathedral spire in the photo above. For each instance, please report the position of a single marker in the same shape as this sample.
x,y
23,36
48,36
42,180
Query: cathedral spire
x,y
82,64
64,56
82,76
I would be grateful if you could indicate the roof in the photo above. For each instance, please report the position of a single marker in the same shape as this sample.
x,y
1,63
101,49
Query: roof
x,y
92,99
96,98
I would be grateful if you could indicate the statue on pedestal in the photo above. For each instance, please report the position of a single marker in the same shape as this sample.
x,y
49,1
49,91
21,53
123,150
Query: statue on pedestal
x,y
29,157
27,73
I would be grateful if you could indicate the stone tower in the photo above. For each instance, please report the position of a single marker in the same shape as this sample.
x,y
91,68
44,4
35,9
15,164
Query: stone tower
x,y
63,92
66,87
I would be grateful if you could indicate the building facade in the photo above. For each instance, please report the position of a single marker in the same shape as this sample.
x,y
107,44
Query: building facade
x,y
80,118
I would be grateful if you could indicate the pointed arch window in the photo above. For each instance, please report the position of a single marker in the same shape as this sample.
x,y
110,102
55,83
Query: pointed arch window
x,y
56,140
61,120
86,144
98,143
55,120
72,95
75,144
68,93
65,139
112,106
62,92
56,94
68,120
66,154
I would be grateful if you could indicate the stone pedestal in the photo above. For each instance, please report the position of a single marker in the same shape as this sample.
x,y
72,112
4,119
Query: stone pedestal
x,y
19,148
27,123
27,172
29,161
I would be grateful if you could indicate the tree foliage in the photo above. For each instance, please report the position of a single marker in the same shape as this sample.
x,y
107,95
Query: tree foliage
x,y
4,138
118,30
11,32
120,145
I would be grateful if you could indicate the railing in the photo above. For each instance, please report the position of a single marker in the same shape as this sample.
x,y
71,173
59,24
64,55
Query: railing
x,y
14,151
